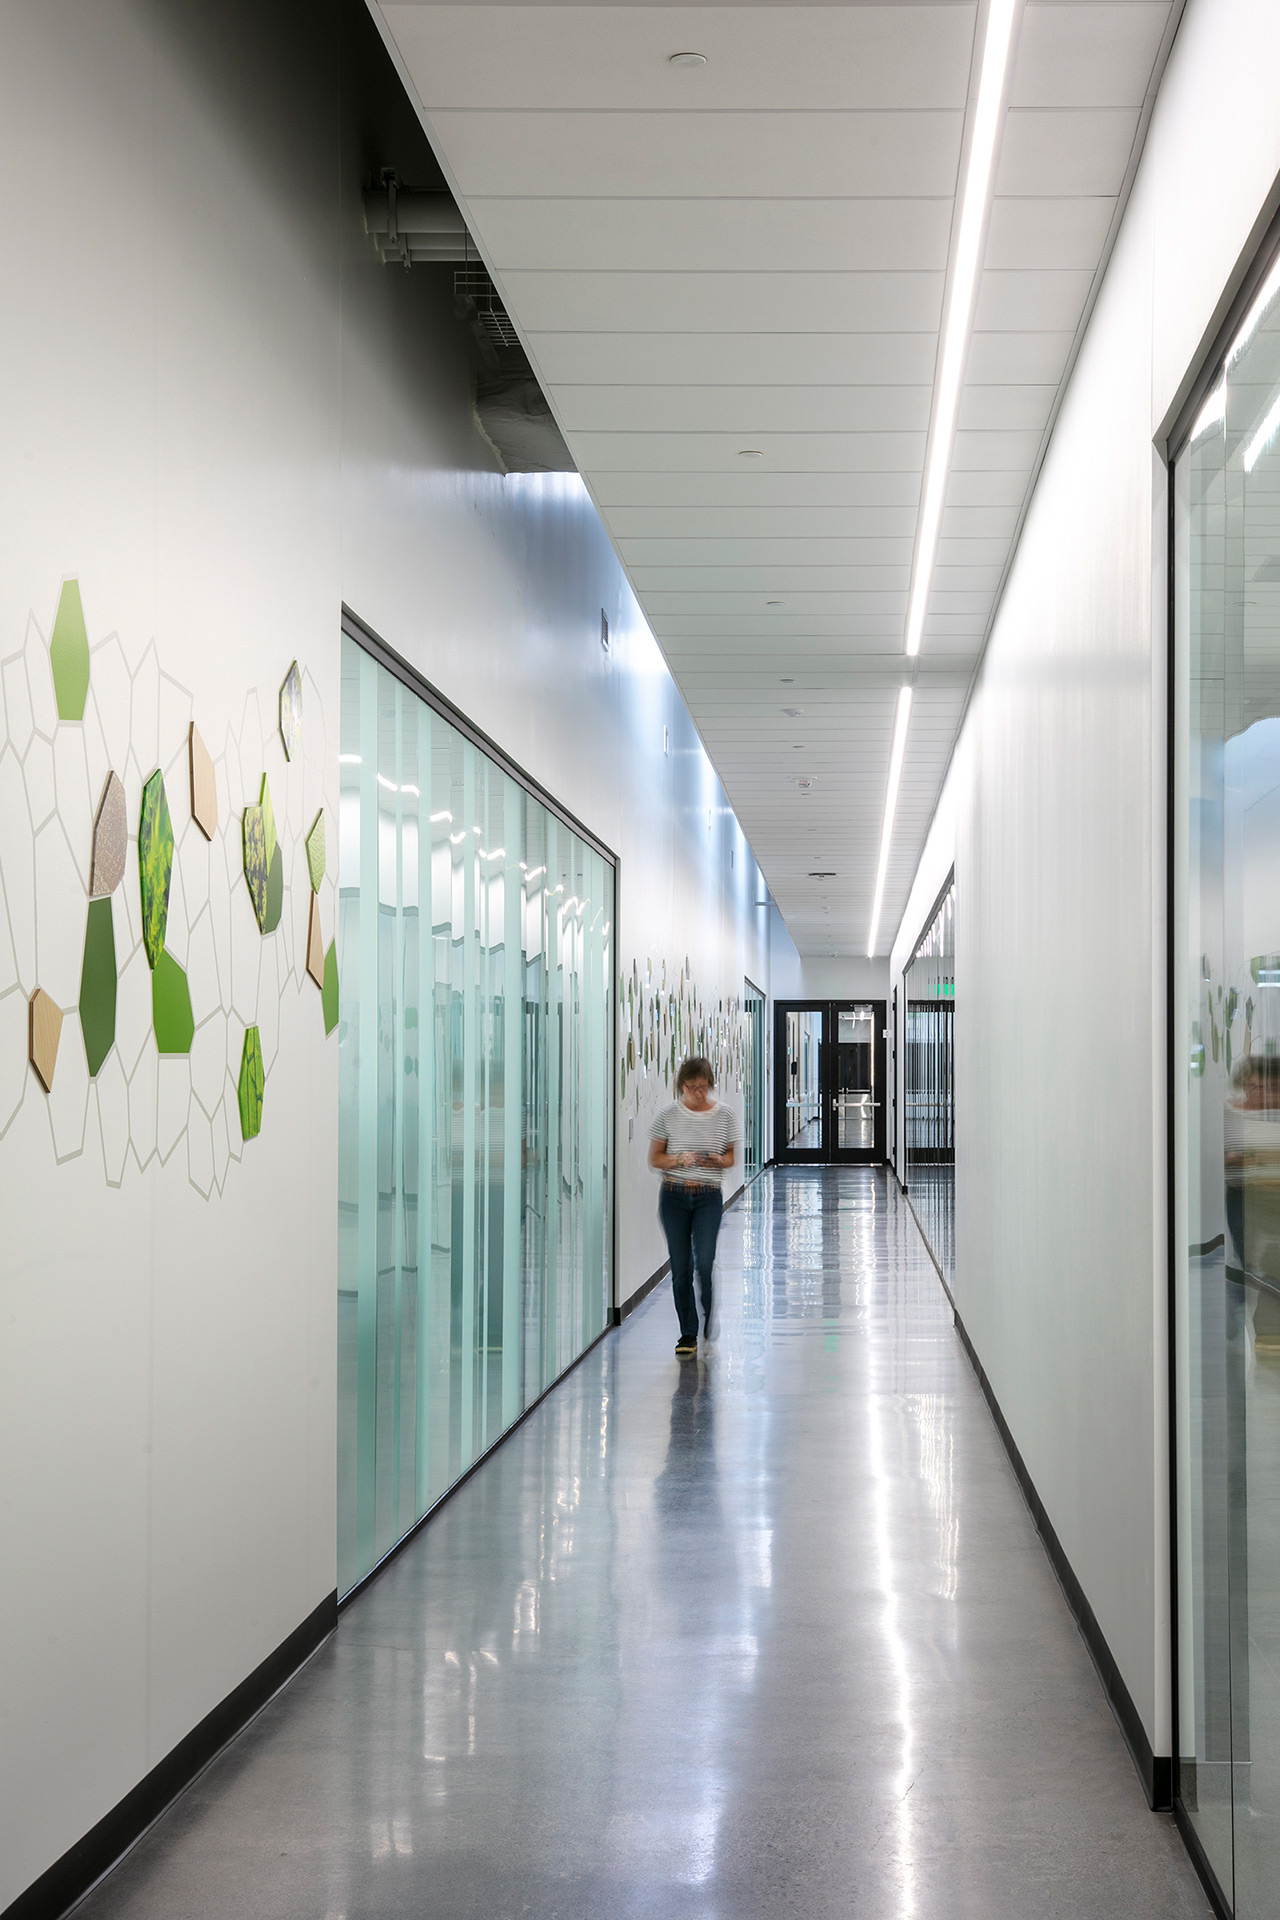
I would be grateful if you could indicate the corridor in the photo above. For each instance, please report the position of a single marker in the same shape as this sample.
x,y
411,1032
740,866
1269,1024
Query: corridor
x,y
769,1633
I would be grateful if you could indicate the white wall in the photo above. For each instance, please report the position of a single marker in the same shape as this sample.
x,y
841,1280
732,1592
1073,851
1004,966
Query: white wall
x,y
225,418
1054,815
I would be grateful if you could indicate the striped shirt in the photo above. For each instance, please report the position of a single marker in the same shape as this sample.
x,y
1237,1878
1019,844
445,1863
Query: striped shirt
x,y
687,1132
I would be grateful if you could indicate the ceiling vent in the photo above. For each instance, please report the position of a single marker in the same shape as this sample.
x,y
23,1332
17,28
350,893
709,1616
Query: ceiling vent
x,y
822,874
477,296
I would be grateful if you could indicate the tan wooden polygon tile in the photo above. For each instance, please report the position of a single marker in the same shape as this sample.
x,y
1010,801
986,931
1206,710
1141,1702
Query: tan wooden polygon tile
x,y
204,787
46,1031
315,944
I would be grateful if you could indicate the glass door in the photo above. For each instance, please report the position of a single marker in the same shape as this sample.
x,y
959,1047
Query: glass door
x,y
753,1082
830,1083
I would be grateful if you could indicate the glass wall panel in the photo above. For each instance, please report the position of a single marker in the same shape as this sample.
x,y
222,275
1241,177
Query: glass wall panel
x,y
929,1094
804,1080
753,1080
475,1113
1227,1117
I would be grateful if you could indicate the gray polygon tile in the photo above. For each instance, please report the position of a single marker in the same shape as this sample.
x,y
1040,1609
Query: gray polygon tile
x,y
76,805
61,905
44,701
144,712
173,1102
133,1008
68,1100
200,1153
110,693
142,1106
209,1060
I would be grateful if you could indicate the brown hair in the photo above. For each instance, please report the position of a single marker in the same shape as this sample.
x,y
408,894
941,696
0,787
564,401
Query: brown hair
x,y
694,1068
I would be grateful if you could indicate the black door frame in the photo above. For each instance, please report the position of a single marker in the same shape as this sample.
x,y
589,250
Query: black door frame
x,y
827,1154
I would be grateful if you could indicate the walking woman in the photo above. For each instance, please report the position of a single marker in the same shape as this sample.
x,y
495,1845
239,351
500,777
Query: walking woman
x,y
693,1143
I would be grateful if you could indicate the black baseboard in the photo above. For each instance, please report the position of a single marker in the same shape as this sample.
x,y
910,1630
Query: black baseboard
x,y
71,1877
1154,1770
642,1292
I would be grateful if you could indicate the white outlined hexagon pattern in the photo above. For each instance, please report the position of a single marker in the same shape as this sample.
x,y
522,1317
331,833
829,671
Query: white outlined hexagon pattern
x,y
141,1108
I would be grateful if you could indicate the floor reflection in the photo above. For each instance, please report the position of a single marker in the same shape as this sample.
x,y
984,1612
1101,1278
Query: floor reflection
x,y
765,1633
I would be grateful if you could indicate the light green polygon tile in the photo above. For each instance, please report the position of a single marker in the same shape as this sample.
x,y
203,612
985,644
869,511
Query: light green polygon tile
x,y
98,985
268,818
329,991
275,892
291,713
252,1083
171,1006
315,852
69,654
155,864
256,867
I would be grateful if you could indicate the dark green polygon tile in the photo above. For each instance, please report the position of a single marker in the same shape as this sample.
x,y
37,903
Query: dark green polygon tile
x,y
268,818
275,892
316,852
252,1083
291,713
256,866
69,654
171,1006
329,991
155,864
98,985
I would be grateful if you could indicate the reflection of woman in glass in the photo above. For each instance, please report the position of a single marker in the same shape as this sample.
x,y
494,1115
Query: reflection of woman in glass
x,y
1251,1151
692,1143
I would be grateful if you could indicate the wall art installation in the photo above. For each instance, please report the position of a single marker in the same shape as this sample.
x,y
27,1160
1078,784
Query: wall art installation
x,y
164,974
291,713
660,1024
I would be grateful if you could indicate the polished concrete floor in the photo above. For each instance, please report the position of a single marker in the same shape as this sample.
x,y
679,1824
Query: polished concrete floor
x,y
765,1634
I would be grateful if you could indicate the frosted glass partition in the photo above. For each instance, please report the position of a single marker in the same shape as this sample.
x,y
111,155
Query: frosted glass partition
x,y
929,1083
475,1059
1226,1087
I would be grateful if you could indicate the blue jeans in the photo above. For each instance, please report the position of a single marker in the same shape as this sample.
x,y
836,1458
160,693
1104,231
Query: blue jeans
x,y
690,1219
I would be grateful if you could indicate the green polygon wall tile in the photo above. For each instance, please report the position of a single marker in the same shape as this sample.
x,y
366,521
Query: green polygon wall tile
x,y
171,1006
329,991
291,713
275,892
315,852
69,654
98,985
155,864
268,818
252,1082
256,865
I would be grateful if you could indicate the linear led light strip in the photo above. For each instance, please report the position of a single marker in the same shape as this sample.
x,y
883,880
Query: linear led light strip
x,y
955,337
890,807
1214,411
964,280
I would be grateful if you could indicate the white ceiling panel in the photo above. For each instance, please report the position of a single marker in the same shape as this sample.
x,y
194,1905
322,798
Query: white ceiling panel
x,y
741,527
1023,300
807,453
997,408
744,410
806,58
759,489
1003,359
735,359
1068,152
641,555
733,236
693,155
727,302
1087,53
1039,232
751,254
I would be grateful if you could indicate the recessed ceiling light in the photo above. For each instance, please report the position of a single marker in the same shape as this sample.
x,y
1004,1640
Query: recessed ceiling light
x,y
751,453
793,713
775,603
687,59
786,681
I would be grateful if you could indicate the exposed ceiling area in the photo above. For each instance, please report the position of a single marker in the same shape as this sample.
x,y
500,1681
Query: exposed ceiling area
x,y
731,276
